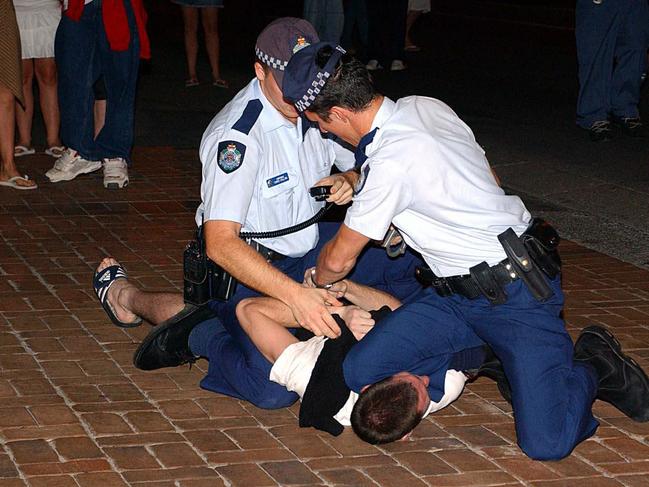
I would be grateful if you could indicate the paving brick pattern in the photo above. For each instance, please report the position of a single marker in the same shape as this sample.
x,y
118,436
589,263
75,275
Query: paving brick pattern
x,y
75,412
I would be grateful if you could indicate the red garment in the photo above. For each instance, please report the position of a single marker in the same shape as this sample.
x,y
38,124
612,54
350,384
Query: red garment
x,y
116,23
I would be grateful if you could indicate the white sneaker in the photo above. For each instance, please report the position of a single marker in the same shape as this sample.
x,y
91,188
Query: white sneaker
x,y
373,65
70,165
398,65
115,173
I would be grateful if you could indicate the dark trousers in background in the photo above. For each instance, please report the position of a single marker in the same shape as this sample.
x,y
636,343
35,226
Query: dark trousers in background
x,y
612,39
82,57
356,21
387,29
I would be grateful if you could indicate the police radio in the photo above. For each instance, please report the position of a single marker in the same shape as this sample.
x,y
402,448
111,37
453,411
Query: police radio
x,y
204,280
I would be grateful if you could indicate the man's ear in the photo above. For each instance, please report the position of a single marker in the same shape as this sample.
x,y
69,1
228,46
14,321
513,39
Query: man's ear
x,y
340,113
259,71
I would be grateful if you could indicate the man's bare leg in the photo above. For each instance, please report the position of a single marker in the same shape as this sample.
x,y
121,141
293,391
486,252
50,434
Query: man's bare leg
x,y
129,302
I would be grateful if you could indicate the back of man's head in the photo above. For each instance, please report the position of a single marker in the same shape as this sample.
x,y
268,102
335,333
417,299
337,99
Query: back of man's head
x,y
323,76
386,411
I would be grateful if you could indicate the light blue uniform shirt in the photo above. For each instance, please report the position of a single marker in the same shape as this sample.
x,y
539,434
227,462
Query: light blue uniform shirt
x,y
276,162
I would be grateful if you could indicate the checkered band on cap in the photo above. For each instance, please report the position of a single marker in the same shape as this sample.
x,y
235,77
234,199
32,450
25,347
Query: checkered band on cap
x,y
311,93
320,80
270,61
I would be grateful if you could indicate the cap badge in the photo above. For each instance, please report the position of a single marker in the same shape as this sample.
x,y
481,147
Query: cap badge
x,y
301,43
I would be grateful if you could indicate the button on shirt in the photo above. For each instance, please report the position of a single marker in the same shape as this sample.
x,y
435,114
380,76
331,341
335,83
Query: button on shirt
x,y
270,189
426,174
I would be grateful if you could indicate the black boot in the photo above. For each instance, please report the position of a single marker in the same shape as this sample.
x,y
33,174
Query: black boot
x,y
492,367
621,381
168,344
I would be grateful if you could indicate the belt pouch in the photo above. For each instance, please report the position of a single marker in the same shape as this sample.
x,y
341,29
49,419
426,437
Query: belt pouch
x,y
526,269
541,241
483,277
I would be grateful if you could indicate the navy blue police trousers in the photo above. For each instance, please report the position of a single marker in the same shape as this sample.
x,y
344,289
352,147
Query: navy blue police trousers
x,y
552,395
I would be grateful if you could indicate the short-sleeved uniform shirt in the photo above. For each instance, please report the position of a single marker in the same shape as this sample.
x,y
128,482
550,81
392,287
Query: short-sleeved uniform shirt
x,y
426,174
258,168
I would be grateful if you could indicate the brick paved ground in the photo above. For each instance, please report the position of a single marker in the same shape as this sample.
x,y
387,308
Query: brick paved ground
x,y
74,411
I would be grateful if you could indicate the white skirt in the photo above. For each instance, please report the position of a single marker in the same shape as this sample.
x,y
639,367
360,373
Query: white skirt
x,y
37,29
419,5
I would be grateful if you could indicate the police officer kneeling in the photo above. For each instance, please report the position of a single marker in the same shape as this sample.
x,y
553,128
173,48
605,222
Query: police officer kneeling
x,y
494,280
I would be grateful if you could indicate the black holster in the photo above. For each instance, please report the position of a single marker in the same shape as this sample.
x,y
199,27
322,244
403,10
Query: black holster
x,y
203,279
533,256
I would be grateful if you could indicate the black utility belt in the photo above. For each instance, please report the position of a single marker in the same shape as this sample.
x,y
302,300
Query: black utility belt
x,y
268,254
532,257
464,284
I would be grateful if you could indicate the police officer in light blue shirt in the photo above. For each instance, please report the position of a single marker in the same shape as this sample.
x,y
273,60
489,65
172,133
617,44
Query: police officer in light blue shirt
x,y
259,161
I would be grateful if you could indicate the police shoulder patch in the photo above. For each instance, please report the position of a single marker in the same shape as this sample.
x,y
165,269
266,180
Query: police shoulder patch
x,y
231,155
362,179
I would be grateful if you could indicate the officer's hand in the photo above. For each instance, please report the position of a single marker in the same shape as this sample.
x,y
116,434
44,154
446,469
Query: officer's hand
x,y
338,289
308,277
342,189
311,307
357,319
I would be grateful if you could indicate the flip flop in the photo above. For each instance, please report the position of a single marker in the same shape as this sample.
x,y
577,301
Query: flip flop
x,y
55,151
191,82
101,283
220,83
12,183
23,150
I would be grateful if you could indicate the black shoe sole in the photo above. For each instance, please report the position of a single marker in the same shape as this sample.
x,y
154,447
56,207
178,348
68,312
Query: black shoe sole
x,y
616,348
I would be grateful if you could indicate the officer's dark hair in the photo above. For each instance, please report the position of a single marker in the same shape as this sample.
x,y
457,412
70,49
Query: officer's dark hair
x,y
350,85
386,411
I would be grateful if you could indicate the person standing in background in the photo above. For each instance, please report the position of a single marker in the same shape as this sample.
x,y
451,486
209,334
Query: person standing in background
x,y
612,39
327,16
208,10
415,9
98,39
387,32
355,16
11,89
37,23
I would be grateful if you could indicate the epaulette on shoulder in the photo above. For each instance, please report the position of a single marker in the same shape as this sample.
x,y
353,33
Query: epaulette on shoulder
x,y
248,117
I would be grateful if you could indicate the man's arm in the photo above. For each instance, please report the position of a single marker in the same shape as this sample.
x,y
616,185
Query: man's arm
x,y
264,321
338,257
364,296
309,306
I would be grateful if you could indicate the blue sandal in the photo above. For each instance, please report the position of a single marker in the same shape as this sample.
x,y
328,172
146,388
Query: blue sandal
x,y
101,283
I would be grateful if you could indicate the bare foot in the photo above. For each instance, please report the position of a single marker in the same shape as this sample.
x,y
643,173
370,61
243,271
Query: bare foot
x,y
118,294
